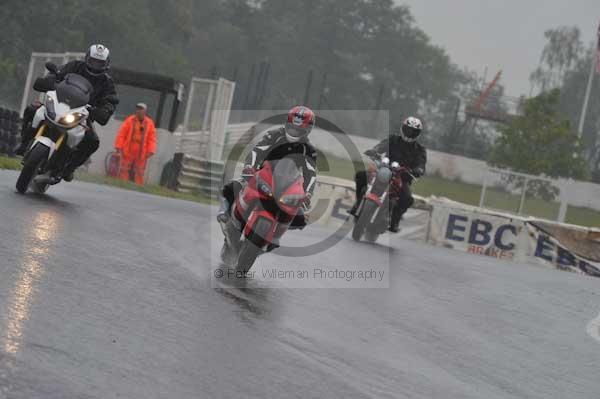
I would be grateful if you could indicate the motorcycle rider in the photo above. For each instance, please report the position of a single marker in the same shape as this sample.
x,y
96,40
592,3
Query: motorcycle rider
x,y
288,140
103,102
404,149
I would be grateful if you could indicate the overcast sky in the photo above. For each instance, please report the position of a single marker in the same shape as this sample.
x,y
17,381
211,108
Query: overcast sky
x,y
501,34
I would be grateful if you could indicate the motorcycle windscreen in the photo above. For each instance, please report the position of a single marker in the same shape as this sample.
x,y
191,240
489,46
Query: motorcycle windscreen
x,y
285,173
74,90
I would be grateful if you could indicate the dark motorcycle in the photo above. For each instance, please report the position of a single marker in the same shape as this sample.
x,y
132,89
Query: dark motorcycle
x,y
372,216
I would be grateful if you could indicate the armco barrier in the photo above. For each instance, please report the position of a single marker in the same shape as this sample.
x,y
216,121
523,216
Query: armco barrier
x,y
200,175
10,128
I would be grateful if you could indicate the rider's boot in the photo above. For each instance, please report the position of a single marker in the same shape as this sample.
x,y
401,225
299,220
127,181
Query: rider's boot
x,y
69,171
27,134
395,223
68,177
20,149
47,178
274,245
354,208
224,211
27,131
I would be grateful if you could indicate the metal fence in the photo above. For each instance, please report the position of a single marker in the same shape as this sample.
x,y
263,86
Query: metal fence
x,y
523,194
206,118
203,135
37,68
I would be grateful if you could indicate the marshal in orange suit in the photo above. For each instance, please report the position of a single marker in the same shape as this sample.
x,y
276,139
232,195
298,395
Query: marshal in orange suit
x,y
136,143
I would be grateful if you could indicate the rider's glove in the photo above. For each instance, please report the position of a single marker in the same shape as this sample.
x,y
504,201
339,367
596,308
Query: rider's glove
x,y
306,203
94,114
300,221
371,153
418,172
247,172
406,176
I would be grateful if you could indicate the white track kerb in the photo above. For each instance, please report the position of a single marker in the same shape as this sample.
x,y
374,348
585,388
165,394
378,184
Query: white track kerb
x,y
593,328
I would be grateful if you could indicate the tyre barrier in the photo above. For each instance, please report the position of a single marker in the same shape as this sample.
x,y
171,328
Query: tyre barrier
x,y
10,128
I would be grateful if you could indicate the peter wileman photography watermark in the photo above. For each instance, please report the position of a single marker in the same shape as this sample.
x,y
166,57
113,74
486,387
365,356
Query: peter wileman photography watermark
x,y
339,138
300,276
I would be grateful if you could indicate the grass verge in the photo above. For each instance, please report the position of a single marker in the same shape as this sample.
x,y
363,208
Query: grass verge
x,y
15,164
10,163
153,189
426,186
470,193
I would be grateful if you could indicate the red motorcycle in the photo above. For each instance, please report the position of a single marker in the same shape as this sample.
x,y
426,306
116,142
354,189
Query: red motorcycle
x,y
372,217
262,212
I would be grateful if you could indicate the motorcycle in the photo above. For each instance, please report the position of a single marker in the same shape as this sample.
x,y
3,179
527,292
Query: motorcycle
x,y
60,124
262,212
372,216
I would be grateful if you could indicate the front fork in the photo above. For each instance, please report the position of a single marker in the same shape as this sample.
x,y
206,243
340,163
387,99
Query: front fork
x,y
370,195
53,140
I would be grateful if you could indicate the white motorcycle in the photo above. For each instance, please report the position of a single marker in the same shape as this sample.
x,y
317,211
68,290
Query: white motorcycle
x,y
61,125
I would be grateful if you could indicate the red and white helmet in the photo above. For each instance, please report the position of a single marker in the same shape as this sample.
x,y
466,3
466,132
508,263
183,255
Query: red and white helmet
x,y
300,122
411,129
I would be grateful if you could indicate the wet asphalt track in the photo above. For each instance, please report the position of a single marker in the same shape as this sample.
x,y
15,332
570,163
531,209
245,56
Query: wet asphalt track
x,y
106,294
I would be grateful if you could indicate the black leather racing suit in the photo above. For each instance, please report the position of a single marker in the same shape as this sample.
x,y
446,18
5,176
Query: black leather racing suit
x,y
409,154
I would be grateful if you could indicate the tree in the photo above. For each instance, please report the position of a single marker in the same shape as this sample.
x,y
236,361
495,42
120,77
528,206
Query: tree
x,y
565,64
360,45
572,93
540,141
562,51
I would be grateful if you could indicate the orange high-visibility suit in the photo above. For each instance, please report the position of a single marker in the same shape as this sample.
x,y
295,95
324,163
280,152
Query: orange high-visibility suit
x,y
137,142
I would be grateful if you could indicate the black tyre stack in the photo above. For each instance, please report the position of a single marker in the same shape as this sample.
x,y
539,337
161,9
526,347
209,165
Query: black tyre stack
x,y
10,128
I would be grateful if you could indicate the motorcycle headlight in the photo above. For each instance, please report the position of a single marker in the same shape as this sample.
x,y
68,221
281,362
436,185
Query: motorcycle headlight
x,y
263,187
292,199
70,120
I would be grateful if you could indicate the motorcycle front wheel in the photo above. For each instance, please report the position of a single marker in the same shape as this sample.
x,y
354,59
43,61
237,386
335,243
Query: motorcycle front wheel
x,y
252,246
361,224
33,161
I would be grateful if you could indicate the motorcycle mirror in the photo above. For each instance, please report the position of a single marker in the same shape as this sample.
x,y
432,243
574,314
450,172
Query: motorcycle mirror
x,y
51,67
43,85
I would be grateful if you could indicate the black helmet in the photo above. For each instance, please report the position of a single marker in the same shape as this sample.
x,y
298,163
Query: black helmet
x,y
97,60
411,129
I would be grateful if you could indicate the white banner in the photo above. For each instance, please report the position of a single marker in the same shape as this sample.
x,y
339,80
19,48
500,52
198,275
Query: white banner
x,y
548,249
503,236
477,233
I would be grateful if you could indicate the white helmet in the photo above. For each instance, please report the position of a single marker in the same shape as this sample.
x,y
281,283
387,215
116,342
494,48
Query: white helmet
x,y
411,129
97,60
